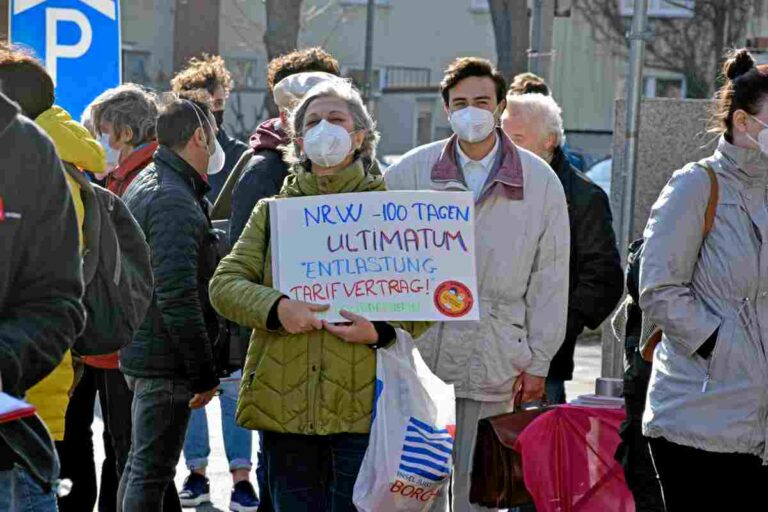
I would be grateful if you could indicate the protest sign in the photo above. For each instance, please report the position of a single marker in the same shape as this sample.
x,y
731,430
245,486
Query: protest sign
x,y
382,255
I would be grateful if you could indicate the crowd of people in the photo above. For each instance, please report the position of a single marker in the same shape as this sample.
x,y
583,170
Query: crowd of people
x,y
548,267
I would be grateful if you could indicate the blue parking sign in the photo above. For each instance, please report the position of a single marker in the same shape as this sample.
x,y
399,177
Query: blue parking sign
x,y
79,42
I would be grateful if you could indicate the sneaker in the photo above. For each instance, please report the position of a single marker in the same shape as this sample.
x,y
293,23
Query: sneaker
x,y
243,498
196,491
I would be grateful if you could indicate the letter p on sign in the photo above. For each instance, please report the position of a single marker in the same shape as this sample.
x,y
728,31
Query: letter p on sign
x,y
54,49
79,42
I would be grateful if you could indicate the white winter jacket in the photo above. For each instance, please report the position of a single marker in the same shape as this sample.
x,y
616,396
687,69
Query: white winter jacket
x,y
523,248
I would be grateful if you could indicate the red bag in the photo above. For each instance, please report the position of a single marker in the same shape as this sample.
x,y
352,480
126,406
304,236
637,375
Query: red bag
x,y
568,456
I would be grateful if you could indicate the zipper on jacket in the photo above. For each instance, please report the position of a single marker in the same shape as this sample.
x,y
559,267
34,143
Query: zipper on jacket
x,y
706,379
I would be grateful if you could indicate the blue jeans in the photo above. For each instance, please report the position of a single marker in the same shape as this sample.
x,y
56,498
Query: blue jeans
x,y
237,440
555,390
312,473
19,492
160,413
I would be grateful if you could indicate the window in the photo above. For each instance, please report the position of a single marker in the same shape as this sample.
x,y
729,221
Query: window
x,y
364,2
664,87
244,73
661,8
479,6
358,78
424,116
135,64
404,77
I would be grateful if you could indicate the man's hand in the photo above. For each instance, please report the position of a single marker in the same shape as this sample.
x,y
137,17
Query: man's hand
x,y
202,399
532,387
359,330
298,317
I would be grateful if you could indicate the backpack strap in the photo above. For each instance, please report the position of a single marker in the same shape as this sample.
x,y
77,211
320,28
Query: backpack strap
x,y
714,197
222,208
651,333
91,222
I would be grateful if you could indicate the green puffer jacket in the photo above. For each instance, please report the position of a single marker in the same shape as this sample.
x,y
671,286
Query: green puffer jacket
x,y
311,383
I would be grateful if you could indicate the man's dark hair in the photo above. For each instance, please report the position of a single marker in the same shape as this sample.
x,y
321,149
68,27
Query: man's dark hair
x,y
301,61
466,67
24,79
178,121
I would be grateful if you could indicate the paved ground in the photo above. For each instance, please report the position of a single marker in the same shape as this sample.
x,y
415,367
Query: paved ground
x,y
587,370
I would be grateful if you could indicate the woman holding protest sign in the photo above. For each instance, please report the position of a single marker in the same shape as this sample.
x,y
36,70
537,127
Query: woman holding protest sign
x,y
308,384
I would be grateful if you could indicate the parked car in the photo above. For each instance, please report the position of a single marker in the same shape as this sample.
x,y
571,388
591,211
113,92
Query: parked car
x,y
600,173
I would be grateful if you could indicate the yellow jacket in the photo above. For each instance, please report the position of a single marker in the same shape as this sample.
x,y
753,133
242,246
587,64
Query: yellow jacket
x,y
75,145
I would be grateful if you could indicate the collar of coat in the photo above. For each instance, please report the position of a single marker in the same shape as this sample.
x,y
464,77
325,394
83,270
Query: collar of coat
x,y
508,176
136,161
354,178
166,157
748,164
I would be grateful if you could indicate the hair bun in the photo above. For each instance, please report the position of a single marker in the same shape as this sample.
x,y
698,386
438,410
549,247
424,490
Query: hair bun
x,y
739,62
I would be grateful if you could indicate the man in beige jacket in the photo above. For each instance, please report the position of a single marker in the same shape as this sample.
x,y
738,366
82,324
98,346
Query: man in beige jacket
x,y
523,249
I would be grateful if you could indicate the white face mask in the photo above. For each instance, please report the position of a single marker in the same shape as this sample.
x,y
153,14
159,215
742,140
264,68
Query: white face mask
x,y
473,124
216,159
216,162
762,137
113,155
326,144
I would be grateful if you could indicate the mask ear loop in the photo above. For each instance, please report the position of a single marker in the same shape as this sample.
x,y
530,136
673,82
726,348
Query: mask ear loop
x,y
195,109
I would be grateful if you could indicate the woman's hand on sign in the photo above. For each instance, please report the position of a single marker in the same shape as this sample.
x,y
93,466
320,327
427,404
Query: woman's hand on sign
x,y
297,317
358,330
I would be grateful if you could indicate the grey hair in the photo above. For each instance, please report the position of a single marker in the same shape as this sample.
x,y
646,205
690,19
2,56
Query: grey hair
x,y
542,109
127,106
362,120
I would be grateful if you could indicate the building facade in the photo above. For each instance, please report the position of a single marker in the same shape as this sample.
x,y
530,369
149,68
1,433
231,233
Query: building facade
x,y
414,41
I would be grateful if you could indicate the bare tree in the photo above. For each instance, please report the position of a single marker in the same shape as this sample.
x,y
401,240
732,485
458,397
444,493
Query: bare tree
x,y
512,33
693,46
282,34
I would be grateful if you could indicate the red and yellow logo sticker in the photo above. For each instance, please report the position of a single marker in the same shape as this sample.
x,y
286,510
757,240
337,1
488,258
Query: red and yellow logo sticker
x,y
453,299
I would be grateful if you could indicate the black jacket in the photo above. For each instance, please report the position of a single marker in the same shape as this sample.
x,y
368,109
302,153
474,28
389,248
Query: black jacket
x,y
263,176
40,280
596,277
168,201
233,148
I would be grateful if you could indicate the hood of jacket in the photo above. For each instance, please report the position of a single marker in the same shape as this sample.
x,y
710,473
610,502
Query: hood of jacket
x,y
352,179
73,141
269,135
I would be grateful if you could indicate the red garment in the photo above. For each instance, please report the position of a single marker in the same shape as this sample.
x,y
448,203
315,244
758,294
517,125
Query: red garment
x,y
509,173
117,183
119,179
269,135
568,461
105,362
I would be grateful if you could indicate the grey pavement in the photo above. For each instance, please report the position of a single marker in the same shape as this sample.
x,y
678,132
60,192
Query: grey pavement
x,y
588,362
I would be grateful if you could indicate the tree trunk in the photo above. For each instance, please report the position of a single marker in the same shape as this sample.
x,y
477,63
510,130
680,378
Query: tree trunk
x,y
4,20
719,27
198,17
512,33
282,34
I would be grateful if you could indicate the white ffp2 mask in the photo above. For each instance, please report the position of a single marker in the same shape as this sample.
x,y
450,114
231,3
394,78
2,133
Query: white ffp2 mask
x,y
216,162
326,144
113,155
762,137
472,124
